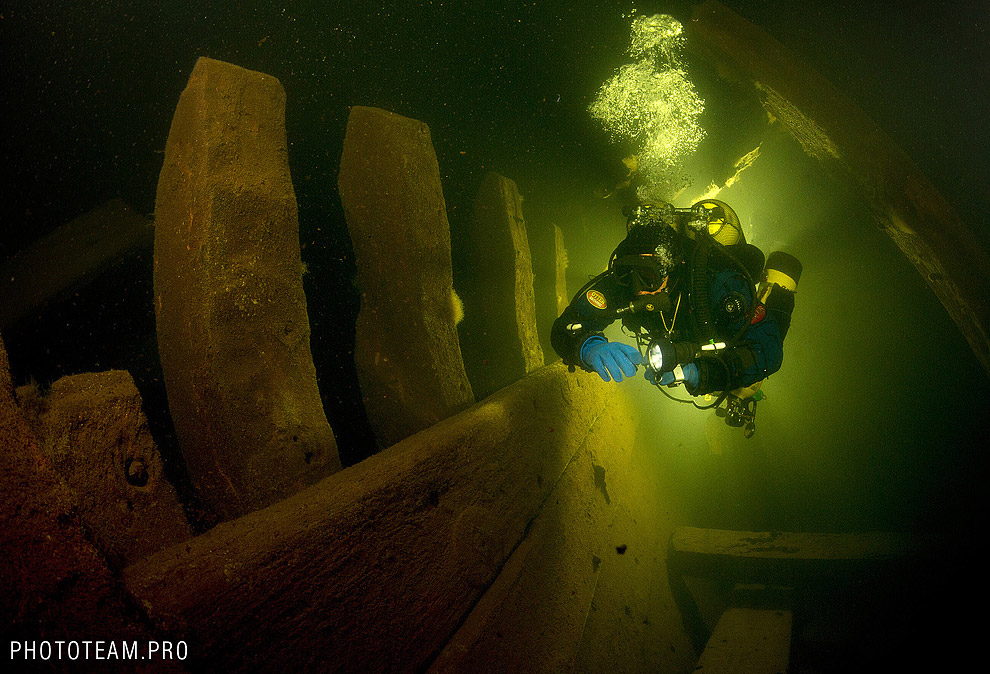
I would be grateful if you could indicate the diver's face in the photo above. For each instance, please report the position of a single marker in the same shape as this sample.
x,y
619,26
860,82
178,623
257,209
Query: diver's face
x,y
645,274
654,287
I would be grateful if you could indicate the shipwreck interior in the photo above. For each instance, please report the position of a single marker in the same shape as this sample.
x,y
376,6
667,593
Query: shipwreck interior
x,y
276,381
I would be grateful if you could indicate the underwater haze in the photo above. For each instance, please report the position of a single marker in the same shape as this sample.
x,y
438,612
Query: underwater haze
x,y
878,417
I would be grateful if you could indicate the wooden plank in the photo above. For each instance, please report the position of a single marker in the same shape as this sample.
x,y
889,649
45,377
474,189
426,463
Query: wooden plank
x,y
748,641
534,617
406,349
531,619
375,568
635,625
499,339
586,590
230,311
782,557
77,252
834,130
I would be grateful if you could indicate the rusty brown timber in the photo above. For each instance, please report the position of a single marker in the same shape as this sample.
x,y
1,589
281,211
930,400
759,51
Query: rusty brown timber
x,y
832,128
406,350
54,584
96,437
233,333
586,590
374,568
500,344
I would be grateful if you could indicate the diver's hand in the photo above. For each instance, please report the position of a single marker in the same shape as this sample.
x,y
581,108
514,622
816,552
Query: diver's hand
x,y
691,376
610,358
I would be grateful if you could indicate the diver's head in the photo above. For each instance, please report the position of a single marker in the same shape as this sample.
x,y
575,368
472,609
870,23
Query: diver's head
x,y
646,257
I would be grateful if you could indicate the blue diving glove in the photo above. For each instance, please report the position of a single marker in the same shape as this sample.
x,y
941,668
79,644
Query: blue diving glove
x,y
691,376
607,358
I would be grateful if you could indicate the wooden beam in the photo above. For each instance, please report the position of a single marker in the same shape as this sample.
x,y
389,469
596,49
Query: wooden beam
x,y
406,350
833,129
230,311
96,438
532,617
375,568
498,335
783,557
75,253
748,641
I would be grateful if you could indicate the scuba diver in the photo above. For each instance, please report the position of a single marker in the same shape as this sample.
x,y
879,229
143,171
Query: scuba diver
x,y
703,308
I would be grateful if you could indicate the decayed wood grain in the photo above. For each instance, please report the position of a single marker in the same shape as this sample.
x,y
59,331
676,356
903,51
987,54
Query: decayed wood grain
x,y
374,568
500,342
781,557
748,641
406,351
532,618
233,332
96,437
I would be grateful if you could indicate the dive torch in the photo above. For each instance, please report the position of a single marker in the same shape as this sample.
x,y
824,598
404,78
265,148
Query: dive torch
x,y
663,356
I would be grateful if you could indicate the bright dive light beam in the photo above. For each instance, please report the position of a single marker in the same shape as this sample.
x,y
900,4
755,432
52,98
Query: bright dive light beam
x,y
655,356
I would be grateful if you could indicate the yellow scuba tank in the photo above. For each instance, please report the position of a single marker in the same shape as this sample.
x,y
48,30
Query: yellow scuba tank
x,y
782,269
722,221
778,287
714,217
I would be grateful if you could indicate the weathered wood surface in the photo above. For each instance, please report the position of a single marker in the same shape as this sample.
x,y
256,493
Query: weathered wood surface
x,y
833,129
374,568
406,351
54,584
634,625
96,437
76,252
233,332
585,591
500,341
784,557
532,618
748,641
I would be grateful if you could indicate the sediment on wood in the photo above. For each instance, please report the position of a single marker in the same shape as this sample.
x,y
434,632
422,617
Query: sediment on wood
x,y
406,351
96,437
379,564
233,332
499,336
